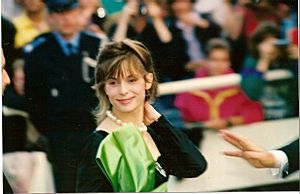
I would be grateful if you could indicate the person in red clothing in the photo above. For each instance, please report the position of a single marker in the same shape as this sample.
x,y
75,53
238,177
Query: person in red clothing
x,y
222,107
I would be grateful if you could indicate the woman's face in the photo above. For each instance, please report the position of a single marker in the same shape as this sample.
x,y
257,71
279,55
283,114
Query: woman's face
x,y
182,6
127,93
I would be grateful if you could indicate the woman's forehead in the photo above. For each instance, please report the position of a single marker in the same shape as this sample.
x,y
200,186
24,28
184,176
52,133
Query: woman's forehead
x,y
128,69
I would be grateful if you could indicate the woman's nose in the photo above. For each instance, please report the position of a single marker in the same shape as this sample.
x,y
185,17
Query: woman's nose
x,y
123,88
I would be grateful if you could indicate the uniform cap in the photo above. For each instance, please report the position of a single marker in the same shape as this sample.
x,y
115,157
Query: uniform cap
x,y
61,5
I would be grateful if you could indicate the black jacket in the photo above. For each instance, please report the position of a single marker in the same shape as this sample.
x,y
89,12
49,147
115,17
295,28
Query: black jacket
x,y
57,96
292,152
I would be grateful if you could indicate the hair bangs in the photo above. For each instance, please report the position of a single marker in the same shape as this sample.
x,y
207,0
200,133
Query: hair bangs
x,y
127,65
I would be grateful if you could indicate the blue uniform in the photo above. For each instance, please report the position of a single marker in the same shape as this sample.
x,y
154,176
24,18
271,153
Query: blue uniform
x,y
59,98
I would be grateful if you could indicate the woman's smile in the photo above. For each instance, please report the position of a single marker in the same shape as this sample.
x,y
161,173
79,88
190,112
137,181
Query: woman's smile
x,y
125,101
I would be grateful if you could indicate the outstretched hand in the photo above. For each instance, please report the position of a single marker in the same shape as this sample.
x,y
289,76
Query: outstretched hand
x,y
150,114
255,155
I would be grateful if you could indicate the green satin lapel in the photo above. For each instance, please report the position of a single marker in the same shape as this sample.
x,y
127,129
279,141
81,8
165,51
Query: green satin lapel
x,y
127,162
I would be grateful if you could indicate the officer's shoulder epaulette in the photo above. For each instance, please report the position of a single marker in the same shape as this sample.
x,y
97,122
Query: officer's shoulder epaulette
x,y
91,34
35,43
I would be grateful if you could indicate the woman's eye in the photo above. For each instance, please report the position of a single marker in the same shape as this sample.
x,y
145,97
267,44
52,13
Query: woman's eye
x,y
132,80
112,82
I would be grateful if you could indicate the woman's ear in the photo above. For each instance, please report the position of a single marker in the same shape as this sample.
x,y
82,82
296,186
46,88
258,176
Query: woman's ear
x,y
149,80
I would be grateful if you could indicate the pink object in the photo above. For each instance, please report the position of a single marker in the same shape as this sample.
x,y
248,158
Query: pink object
x,y
222,103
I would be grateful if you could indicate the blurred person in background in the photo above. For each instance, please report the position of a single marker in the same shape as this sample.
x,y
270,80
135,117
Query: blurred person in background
x,y
31,23
268,52
215,8
11,8
14,96
288,13
247,15
92,17
88,7
218,108
58,92
241,19
134,21
8,33
25,162
5,81
190,33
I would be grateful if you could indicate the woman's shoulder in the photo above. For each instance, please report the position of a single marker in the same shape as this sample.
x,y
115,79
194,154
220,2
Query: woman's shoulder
x,y
94,139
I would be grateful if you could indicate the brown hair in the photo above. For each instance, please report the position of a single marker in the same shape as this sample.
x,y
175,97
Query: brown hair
x,y
217,43
111,62
263,31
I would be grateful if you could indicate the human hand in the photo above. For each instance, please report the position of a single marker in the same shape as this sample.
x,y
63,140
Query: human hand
x,y
256,156
216,124
267,49
150,114
153,10
131,8
293,51
194,65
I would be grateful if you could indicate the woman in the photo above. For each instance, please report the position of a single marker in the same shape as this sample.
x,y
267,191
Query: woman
x,y
267,52
134,148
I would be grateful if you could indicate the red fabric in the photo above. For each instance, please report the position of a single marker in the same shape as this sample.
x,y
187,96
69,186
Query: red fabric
x,y
195,108
294,35
253,18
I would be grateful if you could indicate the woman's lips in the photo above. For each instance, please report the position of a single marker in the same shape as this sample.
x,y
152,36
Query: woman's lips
x,y
125,101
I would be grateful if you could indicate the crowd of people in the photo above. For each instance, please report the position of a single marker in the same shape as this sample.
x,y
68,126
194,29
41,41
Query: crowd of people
x,y
45,43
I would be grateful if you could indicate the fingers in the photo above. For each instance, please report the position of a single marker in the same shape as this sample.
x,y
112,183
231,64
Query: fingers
x,y
240,142
254,158
233,153
232,139
150,114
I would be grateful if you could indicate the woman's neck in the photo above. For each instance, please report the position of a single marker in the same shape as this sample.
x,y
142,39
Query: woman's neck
x,y
135,117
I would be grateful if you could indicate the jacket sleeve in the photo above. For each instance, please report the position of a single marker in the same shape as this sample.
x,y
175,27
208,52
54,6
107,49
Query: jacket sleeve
x,y
292,152
90,177
252,80
35,89
179,156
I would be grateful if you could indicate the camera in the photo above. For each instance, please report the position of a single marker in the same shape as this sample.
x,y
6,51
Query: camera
x,y
142,8
282,43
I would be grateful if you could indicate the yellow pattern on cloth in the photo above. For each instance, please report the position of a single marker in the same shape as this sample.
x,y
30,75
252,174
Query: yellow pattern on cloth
x,y
214,103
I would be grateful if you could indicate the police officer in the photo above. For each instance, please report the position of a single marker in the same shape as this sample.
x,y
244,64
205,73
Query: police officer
x,y
58,90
